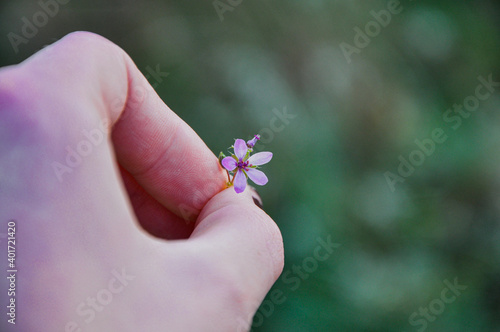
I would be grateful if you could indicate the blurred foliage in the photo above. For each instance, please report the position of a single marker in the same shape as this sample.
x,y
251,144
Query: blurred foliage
x,y
351,122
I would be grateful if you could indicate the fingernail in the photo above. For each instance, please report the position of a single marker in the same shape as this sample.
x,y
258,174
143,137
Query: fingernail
x,y
256,198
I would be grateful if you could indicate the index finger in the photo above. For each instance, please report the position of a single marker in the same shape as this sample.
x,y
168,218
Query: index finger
x,y
164,155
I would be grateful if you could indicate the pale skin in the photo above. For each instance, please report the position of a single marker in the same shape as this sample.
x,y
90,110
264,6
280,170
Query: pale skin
x,y
78,224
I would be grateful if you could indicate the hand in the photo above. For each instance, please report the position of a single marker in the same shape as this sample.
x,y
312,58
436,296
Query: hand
x,y
92,165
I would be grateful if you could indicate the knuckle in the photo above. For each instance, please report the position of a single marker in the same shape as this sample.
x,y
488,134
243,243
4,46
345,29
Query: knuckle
x,y
85,37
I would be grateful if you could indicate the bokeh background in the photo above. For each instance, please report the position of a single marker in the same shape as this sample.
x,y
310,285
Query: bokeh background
x,y
336,125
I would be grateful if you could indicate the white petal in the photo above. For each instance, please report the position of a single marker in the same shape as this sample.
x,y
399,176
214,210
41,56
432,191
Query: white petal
x,y
229,163
240,182
260,158
240,148
257,176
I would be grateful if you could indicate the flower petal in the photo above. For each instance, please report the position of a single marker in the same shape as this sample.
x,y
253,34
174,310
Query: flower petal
x,y
257,176
240,181
260,158
240,148
229,163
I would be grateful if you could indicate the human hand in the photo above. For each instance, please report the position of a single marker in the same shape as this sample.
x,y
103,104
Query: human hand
x,y
90,157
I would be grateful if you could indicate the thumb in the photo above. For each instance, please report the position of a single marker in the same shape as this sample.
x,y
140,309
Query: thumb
x,y
235,232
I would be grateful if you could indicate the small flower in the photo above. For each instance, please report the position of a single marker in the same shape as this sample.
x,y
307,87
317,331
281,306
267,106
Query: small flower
x,y
245,166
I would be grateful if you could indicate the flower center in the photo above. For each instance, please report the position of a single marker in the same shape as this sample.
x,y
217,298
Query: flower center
x,y
243,165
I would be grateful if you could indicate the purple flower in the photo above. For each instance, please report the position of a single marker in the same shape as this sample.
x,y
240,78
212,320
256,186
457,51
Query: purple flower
x,y
245,165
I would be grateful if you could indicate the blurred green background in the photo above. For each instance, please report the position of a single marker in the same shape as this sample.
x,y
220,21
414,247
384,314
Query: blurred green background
x,y
339,109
